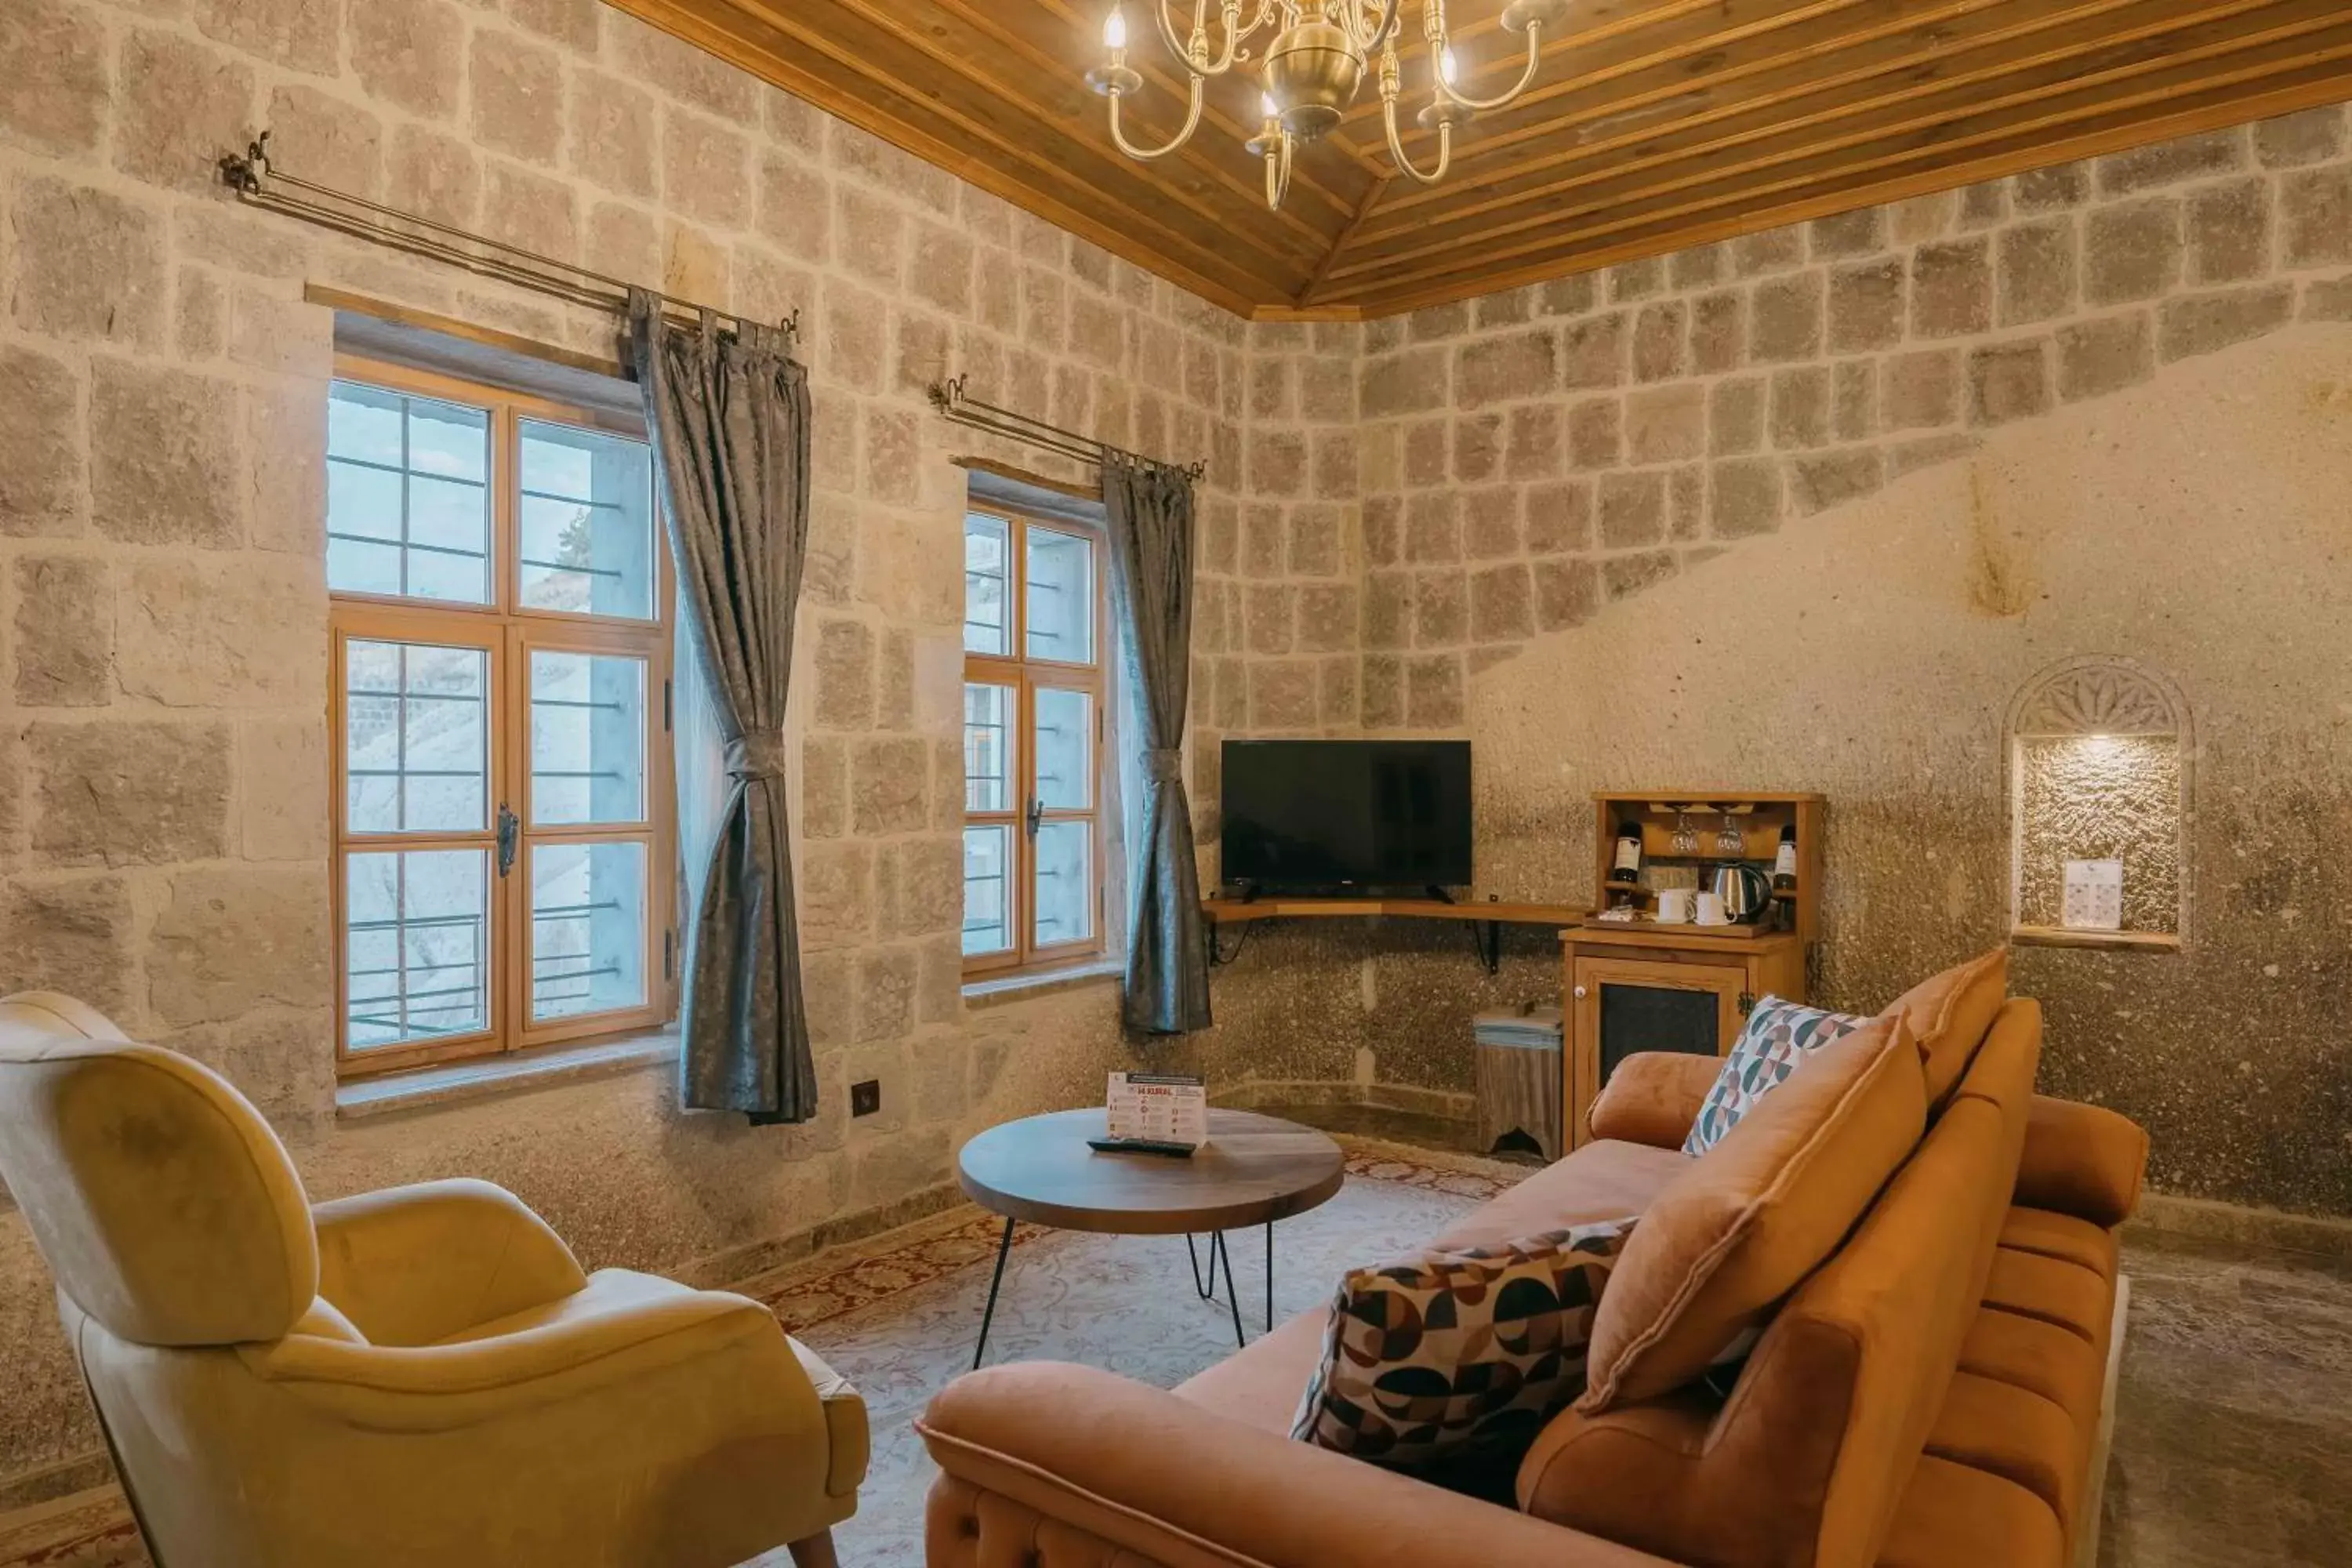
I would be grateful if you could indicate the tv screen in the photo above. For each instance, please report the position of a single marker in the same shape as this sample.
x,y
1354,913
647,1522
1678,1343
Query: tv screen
x,y
1346,815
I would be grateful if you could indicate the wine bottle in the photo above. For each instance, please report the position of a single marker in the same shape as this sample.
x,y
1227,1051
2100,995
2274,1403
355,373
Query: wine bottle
x,y
1784,860
1625,869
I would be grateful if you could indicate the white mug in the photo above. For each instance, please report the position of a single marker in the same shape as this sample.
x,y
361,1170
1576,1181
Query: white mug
x,y
1710,911
1674,906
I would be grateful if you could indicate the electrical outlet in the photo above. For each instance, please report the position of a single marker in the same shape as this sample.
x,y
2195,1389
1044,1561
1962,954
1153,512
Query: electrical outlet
x,y
865,1098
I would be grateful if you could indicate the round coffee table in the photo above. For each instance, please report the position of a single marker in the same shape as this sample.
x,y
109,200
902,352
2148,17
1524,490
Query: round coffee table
x,y
1256,1169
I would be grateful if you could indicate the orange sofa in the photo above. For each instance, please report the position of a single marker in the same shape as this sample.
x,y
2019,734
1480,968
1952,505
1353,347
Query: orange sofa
x,y
1934,1394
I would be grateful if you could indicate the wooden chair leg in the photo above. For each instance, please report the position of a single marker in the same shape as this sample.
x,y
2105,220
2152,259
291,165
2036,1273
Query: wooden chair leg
x,y
816,1551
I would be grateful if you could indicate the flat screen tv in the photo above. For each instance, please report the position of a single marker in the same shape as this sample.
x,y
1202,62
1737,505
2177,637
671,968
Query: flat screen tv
x,y
1346,816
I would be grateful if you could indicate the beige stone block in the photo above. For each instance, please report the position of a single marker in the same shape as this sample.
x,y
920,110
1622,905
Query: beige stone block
x,y
1388,609
930,884
2315,216
1409,383
835,895
84,263
572,23
199,315
280,335
852,333
1336,465
1519,364
1433,528
1853,400
1231,707
614,135
939,267
889,784
164,463
1098,331
1438,322
705,169
2206,323
795,206
1558,518
1595,352
1477,447
1698,267
1622,576
1666,423
1659,334
1327,390
179,105
1436,693
2230,231
1855,233
1277,463
41,441
128,793
233,938
2036,272
1718,331
1922,390
1314,532
1285,694
845,674
1327,617
284,474
1637,280
1632,509
823,796
1268,617
2054,189
2009,380
1952,289
54,94
1736,416
1502,604
1801,407
1820,481
246,631
1490,523
336,142
2321,301
1866,306
894,471
1380,683
64,632
1264,540
1686,501
1984,205
2132,251
1534,442
895,1168
410,52
1773,250
1426,444
1596,437
1566,592
1569,295
2291,141
434,175
1786,323
304,35
533,211
2170,163
695,264
2104,355
281,789
768,288
1440,607
1922,218
1743,498
517,92
72,935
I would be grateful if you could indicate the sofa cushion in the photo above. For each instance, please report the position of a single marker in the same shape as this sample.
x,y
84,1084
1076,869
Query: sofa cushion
x,y
1603,1180
1743,1226
2055,1363
2014,1433
1952,1516
1949,1015
1435,1356
2054,1235
1779,1034
2081,1160
2053,1291
1260,1385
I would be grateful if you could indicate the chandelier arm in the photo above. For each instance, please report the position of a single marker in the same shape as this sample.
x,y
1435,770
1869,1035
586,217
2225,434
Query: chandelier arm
x,y
1235,33
1535,49
1145,154
1396,146
1381,32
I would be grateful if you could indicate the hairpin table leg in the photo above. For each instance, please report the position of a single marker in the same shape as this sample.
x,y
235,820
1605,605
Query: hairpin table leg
x,y
1003,1249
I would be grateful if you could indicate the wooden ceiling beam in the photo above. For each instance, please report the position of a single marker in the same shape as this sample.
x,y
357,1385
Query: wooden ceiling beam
x,y
1957,103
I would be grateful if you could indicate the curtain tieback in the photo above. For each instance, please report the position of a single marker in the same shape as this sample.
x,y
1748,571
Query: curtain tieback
x,y
758,755
1164,764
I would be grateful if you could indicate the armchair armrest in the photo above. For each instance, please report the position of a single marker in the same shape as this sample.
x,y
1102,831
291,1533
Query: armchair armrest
x,y
2081,1160
412,1265
1654,1097
1068,1452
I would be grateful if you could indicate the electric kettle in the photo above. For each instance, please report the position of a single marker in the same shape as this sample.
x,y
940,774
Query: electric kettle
x,y
1746,892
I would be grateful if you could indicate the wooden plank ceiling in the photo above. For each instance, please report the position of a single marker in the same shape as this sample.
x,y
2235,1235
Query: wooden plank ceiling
x,y
1655,124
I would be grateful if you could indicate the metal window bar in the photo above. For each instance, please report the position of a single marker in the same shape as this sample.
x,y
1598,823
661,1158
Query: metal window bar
x,y
612,571
405,544
403,1019
957,406
530,494
259,183
396,468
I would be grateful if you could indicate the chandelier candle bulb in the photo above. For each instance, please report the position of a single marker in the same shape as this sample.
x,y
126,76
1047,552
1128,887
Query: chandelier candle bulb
x,y
1115,30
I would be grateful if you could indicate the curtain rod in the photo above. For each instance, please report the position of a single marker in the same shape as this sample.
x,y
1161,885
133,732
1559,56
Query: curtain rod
x,y
959,407
259,184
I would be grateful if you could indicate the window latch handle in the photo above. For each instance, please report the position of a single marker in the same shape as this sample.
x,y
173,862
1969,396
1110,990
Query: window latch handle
x,y
1036,815
510,834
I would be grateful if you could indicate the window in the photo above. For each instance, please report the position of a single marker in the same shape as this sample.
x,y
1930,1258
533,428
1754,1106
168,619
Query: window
x,y
1033,727
499,605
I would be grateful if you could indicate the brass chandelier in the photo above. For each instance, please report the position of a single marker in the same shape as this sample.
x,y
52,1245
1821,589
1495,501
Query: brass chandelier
x,y
1308,73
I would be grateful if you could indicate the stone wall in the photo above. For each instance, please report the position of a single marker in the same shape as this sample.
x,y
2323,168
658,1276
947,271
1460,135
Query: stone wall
x,y
164,814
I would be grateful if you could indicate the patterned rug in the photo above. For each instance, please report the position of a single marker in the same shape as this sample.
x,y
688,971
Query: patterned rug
x,y
898,1315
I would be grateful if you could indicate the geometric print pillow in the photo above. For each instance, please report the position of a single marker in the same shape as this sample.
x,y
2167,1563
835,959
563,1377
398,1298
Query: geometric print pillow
x,y
1780,1035
1428,1359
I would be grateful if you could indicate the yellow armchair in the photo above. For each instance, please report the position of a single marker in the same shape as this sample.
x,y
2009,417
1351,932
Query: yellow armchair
x,y
420,1375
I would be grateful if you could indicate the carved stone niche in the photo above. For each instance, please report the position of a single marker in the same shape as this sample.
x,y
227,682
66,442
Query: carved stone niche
x,y
2099,756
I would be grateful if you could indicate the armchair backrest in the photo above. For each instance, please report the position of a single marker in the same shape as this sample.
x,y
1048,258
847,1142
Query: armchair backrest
x,y
165,1204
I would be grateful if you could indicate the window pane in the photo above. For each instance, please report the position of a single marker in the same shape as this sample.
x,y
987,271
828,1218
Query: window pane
x,y
1064,749
415,738
416,925
987,570
988,748
587,928
1065,894
587,522
587,738
408,499
987,859
1060,610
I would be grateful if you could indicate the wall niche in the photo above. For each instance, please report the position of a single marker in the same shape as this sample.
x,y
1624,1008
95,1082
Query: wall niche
x,y
2099,756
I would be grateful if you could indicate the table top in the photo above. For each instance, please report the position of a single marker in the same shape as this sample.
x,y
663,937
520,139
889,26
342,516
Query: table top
x,y
1256,1169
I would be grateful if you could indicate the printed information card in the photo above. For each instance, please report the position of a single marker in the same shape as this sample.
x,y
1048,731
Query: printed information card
x,y
1159,1108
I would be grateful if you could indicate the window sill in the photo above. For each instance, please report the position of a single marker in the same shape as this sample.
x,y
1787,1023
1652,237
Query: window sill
x,y
456,1082
1045,982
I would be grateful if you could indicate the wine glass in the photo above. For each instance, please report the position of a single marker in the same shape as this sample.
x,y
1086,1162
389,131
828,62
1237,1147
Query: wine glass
x,y
1685,838
1729,841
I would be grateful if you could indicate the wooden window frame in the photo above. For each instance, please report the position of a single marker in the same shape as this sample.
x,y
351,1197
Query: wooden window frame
x,y
510,633
1026,676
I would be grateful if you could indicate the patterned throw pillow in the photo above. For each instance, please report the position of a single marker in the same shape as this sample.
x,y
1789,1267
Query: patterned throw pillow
x,y
1778,1036
1431,1358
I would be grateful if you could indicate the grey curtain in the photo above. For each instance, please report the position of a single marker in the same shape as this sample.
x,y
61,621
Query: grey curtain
x,y
1151,512
729,416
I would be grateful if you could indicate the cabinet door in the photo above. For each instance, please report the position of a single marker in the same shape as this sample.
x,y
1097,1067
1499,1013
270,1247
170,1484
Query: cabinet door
x,y
1618,1006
